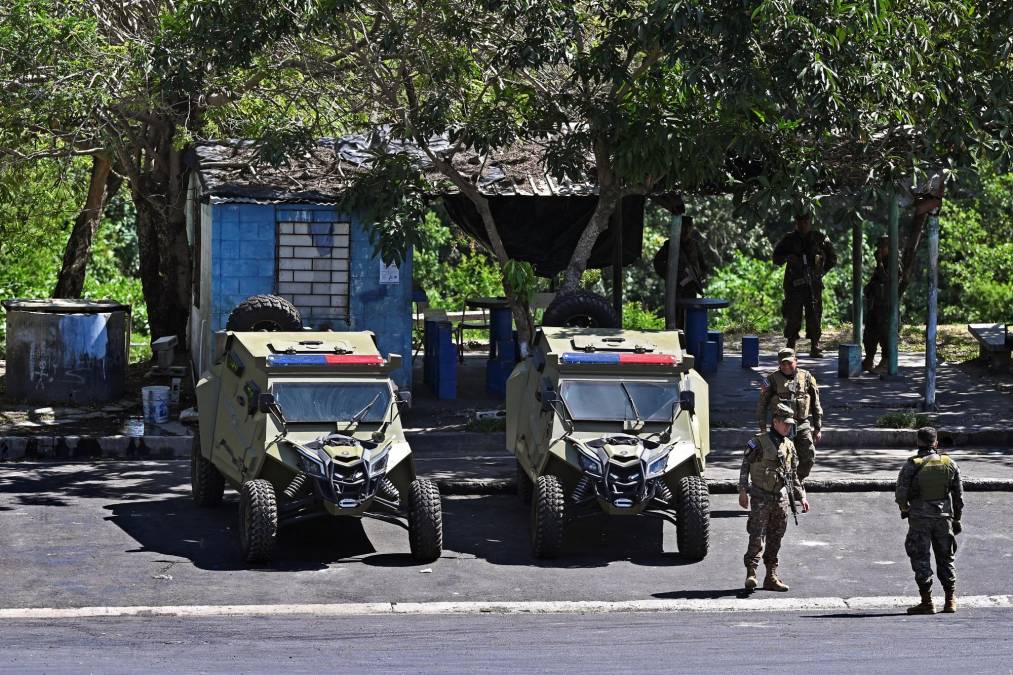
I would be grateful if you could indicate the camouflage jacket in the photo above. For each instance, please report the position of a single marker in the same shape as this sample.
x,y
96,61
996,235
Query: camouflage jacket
x,y
800,392
754,454
877,289
950,507
814,247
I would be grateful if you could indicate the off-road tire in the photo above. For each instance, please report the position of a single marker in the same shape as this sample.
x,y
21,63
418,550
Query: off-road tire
x,y
258,520
548,513
207,484
524,485
269,313
692,520
582,309
425,520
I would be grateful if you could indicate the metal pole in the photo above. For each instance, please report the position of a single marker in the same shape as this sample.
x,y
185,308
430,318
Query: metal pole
x,y
933,316
856,280
672,273
894,286
617,261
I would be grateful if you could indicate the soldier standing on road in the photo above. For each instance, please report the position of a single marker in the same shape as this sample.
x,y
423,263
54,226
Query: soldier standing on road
x,y
877,308
809,256
931,497
768,471
797,388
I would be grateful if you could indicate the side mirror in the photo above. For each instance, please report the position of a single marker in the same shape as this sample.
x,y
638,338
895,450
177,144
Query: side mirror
x,y
687,401
550,399
265,402
403,398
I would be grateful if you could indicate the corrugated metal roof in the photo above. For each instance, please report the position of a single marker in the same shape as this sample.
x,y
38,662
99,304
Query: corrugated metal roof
x,y
230,171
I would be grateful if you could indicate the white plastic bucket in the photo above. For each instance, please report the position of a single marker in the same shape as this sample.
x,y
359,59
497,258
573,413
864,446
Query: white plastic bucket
x,y
155,403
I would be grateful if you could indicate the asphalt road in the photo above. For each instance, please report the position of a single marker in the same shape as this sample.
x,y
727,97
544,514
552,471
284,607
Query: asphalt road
x,y
976,641
120,533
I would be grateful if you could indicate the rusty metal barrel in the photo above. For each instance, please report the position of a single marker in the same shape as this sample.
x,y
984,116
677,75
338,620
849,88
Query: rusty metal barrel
x,y
67,351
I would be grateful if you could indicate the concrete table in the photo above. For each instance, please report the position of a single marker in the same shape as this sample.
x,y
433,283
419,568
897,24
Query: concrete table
x,y
696,319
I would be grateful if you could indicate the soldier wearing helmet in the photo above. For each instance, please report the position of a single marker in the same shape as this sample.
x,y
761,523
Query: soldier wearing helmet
x,y
769,470
930,495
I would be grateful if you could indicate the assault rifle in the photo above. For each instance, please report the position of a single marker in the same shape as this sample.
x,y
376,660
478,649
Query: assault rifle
x,y
815,298
788,477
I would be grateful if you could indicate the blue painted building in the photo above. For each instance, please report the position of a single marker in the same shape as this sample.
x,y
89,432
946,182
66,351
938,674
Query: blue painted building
x,y
253,236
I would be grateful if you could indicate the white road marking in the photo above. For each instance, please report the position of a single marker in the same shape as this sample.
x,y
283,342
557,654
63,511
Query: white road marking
x,y
758,602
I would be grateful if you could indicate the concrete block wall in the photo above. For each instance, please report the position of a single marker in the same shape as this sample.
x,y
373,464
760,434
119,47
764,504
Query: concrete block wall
x,y
243,264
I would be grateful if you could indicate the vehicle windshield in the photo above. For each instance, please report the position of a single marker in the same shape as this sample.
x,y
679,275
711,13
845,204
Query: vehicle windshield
x,y
332,401
606,399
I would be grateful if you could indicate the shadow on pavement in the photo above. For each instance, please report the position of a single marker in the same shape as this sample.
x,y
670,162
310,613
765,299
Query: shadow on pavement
x,y
53,485
497,530
208,538
703,594
855,615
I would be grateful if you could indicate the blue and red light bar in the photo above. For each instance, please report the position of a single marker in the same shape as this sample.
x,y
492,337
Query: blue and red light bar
x,y
325,360
611,358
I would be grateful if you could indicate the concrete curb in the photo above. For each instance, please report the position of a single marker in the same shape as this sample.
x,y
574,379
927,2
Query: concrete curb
x,y
69,447
731,604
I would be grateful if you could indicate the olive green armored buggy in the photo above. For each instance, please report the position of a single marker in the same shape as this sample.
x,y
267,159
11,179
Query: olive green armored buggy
x,y
303,425
614,421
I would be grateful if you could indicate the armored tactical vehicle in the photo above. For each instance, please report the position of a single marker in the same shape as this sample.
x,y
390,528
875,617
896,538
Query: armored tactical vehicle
x,y
306,424
614,421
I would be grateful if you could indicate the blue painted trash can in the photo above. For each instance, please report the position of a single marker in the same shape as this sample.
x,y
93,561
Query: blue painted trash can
x,y
707,357
750,351
849,360
719,337
696,328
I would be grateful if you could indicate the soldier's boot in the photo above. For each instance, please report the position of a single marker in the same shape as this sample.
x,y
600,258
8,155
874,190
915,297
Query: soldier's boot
x,y
867,363
772,583
750,577
925,606
950,605
791,343
881,367
814,350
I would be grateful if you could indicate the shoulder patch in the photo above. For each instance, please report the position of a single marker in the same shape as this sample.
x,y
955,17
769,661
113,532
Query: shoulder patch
x,y
752,444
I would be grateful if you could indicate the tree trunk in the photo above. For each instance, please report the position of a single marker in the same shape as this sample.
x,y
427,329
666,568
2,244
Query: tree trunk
x,y
159,195
607,201
101,188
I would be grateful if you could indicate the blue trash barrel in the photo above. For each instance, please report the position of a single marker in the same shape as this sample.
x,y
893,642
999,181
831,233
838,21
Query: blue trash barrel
x,y
707,357
67,351
750,351
849,360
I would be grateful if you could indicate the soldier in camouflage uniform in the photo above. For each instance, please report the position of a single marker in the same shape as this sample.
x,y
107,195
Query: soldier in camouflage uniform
x,y
808,255
768,467
796,387
692,268
877,308
930,496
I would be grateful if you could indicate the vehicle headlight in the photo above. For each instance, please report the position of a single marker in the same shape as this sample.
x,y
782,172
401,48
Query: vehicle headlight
x,y
309,464
378,464
658,464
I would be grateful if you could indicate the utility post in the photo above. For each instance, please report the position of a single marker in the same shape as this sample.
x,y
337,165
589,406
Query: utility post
x,y
894,286
929,402
856,280
617,261
671,274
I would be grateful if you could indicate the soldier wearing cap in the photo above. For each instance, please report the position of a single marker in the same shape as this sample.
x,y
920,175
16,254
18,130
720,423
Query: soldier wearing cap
x,y
797,388
930,495
768,471
877,308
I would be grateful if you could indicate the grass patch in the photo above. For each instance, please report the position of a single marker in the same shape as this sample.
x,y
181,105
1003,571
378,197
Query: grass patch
x,y
486,424
902,419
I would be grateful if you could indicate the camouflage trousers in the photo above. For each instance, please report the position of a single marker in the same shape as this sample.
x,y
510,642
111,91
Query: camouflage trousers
x,y
768,519
796,302
806,448
875,332
928,535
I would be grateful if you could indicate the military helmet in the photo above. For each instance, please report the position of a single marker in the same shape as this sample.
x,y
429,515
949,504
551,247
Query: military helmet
x,y
927,437
784,411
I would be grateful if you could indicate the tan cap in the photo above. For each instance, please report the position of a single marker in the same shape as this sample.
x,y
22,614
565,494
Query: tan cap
x,y
786,354
784,411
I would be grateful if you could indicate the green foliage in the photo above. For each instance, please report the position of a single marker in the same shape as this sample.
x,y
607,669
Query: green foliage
x,y
486,424
636,317
451,267
520,276
754,289
904,419
976,255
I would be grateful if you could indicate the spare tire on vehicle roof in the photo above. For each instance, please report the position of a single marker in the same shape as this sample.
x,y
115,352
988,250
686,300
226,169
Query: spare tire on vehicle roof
x,y
260,313
581,309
